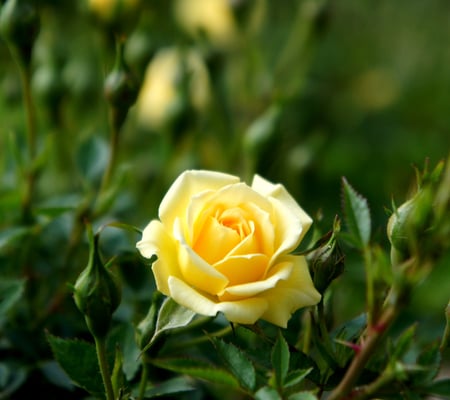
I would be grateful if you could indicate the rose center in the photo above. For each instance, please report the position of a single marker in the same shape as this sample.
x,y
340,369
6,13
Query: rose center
x,y
235,219
220,232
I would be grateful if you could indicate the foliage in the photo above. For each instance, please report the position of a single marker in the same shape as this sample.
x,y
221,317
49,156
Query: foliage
x,y
304,95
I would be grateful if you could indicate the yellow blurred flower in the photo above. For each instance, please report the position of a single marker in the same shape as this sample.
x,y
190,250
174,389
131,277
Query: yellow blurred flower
x,y
213,18
223,246
110,10
161,96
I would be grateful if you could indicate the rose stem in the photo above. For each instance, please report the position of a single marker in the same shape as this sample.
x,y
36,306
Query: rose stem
x,y
104,369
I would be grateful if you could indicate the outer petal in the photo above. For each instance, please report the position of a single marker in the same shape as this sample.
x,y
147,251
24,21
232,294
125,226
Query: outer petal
x,y
278,272
156,240
246,311
189,183
291,223
243,269
291,294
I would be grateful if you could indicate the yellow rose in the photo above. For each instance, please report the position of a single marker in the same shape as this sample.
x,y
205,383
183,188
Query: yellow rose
x,y
223,246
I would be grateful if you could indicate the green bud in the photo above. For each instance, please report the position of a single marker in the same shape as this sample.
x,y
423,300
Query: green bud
x,y
97,293
120,87
326,261
19,25
411,227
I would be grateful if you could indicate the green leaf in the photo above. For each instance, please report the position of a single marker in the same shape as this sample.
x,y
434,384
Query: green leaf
x,y
171,386
11,291
262,129
11,378
297,376
92,157
198,369
10,235
430,360
124,337
280,359
301,361
357,215
55,374
302,396
348,332
171,316
439,388
236,362
79,360
58,205
257,350
267,393
403,343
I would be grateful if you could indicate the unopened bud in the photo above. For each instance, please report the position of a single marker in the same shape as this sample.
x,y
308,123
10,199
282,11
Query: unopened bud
x,y
120,87
327,260
411,227
97,293
19,25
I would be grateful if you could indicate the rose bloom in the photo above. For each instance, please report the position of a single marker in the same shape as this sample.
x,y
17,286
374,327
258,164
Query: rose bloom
x,y
223,246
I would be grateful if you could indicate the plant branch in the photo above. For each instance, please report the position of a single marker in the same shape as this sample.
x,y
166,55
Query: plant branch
x,y
370,343
104,368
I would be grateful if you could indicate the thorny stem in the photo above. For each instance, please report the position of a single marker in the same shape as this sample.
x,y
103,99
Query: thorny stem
x,y
368,391
370,343
369,285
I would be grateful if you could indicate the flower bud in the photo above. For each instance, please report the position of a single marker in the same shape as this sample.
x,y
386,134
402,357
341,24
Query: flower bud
x,y
120,88
411,228
19,25
327,260
97,293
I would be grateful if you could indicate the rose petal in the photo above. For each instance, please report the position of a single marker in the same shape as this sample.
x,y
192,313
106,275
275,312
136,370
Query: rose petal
x,y
291,222
291,294
246,311
189,183
243,269
196,271
215,241
156,240
278,272
237,194
264,230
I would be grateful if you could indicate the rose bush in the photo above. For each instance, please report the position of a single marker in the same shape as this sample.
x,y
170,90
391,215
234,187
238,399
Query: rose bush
x,y
223,246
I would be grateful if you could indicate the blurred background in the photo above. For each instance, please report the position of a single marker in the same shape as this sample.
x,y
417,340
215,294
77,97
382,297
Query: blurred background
x,y
302,92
